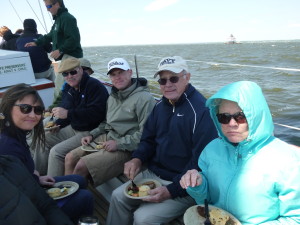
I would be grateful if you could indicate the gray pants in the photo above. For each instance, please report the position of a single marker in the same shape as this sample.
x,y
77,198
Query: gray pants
x,y
48,74
51,160
137,212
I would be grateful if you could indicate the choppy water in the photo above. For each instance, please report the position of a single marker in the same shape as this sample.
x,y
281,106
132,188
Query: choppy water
x,y
275,66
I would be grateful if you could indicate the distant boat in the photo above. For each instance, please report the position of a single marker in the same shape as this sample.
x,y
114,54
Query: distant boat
x,y
231,40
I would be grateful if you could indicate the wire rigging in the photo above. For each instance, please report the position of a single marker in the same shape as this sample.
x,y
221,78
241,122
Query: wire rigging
x,y
36,15
43,16
16,12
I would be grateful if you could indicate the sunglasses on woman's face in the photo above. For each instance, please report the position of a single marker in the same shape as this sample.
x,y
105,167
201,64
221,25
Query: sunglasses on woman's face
x,y
225,118
73,72
26,109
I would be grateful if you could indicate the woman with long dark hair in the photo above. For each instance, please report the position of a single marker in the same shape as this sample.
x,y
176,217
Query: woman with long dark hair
x,y
21,112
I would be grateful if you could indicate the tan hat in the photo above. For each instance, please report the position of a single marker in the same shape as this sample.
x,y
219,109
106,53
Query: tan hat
x,y
174,64
86,63
68,64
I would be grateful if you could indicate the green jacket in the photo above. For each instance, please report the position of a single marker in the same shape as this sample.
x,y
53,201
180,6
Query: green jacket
x,y
64,34
127,112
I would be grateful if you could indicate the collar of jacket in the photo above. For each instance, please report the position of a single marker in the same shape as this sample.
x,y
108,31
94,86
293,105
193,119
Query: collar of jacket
x,y
188,92
60,11
128,91
82,84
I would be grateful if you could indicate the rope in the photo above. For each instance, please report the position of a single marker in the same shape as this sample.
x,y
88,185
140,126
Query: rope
x,y
291,127
35,15
43,16
16,12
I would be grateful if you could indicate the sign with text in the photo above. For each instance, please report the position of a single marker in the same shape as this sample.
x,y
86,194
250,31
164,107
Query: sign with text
x,y
15,68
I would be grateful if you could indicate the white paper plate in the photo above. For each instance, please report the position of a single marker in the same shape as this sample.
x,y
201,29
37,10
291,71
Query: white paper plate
x,y
72,188
192,217
139,182
51,128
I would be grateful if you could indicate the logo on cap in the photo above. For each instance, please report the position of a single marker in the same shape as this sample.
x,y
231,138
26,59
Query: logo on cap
x,y
116,63
167,61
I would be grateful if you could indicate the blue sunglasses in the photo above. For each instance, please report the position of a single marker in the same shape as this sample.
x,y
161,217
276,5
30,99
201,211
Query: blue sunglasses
x,y
49,6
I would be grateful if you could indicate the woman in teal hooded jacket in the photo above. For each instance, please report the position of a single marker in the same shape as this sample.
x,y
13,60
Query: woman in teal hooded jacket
x,y
247,171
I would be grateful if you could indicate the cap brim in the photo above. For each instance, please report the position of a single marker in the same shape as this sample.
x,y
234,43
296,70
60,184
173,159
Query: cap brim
x,y
168,69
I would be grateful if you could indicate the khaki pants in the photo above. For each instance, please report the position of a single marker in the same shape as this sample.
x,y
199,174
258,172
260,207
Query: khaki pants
x,y
51,160
102,165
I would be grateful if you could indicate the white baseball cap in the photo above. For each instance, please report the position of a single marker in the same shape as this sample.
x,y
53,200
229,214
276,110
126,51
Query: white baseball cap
x,y
119,63
174,64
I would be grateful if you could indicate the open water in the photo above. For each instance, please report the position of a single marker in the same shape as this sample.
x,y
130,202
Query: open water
x,y
275,66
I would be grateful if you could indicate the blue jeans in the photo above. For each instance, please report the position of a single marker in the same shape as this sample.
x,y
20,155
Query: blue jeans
x,y
79,204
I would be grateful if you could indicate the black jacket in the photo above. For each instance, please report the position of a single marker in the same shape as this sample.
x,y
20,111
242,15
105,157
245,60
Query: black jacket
x,y
86,106
38,54
23,201
9,42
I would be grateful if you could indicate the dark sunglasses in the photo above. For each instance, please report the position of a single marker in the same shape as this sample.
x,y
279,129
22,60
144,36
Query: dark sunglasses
x,y
49,6
73,72
225,118
26,109
174,80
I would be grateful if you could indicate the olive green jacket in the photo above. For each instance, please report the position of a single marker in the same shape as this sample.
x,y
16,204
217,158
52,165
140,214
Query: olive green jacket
x,y
127,112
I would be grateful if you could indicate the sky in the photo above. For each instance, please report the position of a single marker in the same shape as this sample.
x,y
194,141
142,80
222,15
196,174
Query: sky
x,y
143,22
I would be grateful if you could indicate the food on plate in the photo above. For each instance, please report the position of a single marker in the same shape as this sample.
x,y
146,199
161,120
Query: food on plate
x,y
201,211
2,117
99,146
216,216
142,189
57,192
50,124
151,184
47,114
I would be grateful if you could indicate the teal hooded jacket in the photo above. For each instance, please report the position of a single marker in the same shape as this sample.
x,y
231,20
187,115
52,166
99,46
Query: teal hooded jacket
x,y
258,180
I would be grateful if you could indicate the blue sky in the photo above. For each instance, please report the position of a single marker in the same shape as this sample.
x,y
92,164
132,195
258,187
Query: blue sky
x,y
135,22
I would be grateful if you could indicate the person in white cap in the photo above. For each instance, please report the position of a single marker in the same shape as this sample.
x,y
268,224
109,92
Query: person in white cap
x,y
128,107
177,130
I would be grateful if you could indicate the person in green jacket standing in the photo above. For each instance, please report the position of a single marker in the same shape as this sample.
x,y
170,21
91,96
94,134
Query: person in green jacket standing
x,y
128,108
64,34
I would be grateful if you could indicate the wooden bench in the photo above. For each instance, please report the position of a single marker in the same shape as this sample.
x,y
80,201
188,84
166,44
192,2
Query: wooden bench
x,y
102,195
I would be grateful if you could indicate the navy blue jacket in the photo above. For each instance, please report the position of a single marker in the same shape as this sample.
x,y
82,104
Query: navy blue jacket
x,y
174,137
86,106
17,146
38,54
22,200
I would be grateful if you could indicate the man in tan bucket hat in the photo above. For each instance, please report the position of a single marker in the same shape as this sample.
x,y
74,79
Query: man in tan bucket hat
x,y
82,108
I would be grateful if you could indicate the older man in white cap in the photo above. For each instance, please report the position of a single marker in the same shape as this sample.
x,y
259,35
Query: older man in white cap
x,y
174,135
128,107
82,108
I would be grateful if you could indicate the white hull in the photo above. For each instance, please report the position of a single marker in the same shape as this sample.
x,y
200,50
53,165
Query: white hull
x,y
15,68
